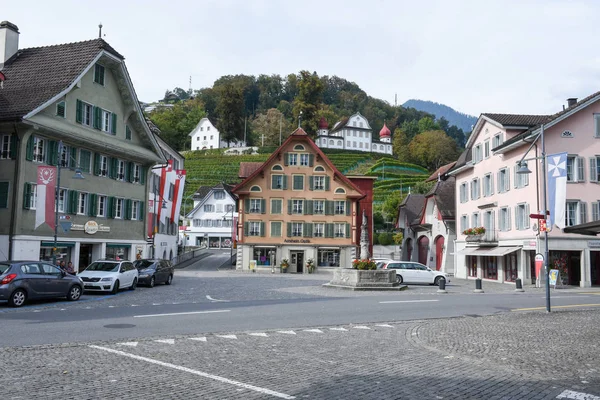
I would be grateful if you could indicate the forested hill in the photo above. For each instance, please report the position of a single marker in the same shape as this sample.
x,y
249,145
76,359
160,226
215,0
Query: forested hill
x,y
463,121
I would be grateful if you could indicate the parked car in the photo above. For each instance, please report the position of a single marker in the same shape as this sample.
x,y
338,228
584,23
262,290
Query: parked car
x,y
109,276
381,262
152,272
27,280
414,272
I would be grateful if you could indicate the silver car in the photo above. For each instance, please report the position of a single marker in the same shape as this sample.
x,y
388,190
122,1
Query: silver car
x,y
27,280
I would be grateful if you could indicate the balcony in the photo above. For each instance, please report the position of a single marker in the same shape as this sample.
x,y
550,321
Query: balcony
x,y
489,238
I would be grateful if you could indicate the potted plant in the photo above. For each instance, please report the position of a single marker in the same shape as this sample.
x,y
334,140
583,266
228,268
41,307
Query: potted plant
x,y
310,265
284,265
365,264
473,234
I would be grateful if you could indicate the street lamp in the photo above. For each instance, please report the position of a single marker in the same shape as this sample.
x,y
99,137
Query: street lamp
x,y
78,175
524,170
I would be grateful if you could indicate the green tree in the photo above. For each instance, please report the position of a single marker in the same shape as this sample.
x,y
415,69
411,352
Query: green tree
x,y
432,149
400,144
178,121
390,207
270,124
398,238
310,93
230,109
422,187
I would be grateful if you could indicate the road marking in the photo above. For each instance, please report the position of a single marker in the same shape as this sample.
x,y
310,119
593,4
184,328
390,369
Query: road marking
x,y
385,325
543,308
313,330
594,293
200,339
262,334
569,394
227,336
196,372
406,301
180,313
167,341
338,329
216,300
361,327
287,332
132,344
564,297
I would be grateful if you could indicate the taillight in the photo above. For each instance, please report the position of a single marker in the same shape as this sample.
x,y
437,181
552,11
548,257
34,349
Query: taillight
x,y
7,279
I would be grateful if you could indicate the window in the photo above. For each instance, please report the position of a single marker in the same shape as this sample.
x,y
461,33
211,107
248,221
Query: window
x,y
339,230
297,229
472,266
298,182
475,220
4,194
340,191
464,192
201,130
211,137
297,206
60,109
85,158
340,207
497,140
521,216
62,200
328,258
575,213
275,229
255,205
86,114
319,207
464,222
490,267
135,210
594,168
277,182
254,228
208,208
83,203
318,182
120,170
219,195
319,168
137,173
477,154
229,208
118,208
64,156
319,229
276,206
595,209
103,166
255,188
208,128
106,121
99,74
510,267
277,168
597,125
219,208
504,219
488,185
503,180
486,149
292,159
39,146
304,160
475,189
101,206
30,200
521,180
127,132
575,169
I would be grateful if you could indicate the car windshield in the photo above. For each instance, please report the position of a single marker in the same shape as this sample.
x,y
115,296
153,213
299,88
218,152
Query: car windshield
x,y
143,264
103,266
4,268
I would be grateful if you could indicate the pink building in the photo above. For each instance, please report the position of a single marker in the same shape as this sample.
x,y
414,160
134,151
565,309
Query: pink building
x,y
490,194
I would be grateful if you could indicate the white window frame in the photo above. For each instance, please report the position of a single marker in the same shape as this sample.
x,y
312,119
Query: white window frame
x,y
101,206
65,156
304,160
219,195
339,230
318,229
33,198
120,170
255,206
82,203
475,188
297,229
106,121
87,114
39,147
119,208
339,207
486,149
577,168
293,159
464,192
504,220
475,222
208,208
579,208
318,207
497,140
464,222
103,166
488,185
62,200
503,180
135,208
522,216
5,149
136,173
597,125
297,206
318,182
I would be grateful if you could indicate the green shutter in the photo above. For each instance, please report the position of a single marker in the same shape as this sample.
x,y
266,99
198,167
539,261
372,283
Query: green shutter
x,y
327,183
263,206
273,186
29,151
112,173
96,164
27,196
129,171
113,123
285,179
246,227
85,158
347,230
289,229
12,152
92,204
246,206
127,209
307,229
262,228
289,207
311,183
96,74
311,160
97,118
328,230
79,112
73,201
141,211
52,153
286,159
348,207
309,207
3,194
142,175
329,207
110,207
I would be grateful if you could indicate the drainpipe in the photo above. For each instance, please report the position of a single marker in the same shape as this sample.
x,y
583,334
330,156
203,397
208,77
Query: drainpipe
x,y
15,192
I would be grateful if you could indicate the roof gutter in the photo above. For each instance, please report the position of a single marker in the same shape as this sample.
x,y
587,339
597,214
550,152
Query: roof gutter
x,y
458,170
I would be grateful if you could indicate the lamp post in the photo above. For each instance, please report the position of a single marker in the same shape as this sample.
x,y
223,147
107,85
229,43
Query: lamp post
x,y
78,175
524,170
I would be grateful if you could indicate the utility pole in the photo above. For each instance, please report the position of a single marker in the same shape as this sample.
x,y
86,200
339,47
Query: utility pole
x,y
280,116
245,119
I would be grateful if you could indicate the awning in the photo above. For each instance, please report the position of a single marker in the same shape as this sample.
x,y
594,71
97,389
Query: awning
x,y
118,244
491,251
58,244
589,228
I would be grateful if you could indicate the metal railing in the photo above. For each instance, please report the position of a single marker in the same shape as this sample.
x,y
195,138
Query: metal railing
x,y
188,256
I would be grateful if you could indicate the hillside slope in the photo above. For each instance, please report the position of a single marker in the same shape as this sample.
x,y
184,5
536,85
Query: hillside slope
x,y
463,121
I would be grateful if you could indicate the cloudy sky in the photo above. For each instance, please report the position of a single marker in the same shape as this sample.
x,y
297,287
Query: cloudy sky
x,y
508,56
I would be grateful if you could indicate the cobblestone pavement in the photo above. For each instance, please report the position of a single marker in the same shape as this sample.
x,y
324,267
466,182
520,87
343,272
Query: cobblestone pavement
x,y
509,356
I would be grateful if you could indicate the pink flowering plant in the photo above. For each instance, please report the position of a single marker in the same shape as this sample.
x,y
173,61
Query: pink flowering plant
x,y
364,264
480,230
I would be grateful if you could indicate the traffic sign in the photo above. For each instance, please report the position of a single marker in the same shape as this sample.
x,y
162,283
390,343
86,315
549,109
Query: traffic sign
x,y
536,216
64,217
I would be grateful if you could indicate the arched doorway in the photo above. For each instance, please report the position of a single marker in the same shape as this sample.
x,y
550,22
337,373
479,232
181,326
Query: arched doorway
x,y
171,254
409,249
439,252
423,244
164,255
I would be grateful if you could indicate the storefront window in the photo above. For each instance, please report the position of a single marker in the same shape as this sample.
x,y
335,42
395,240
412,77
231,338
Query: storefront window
x,y
262,256
63,252
490,267
510,267
328,258
472,266
118,252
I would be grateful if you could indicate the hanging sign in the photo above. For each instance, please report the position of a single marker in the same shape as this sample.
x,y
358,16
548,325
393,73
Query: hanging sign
x,y
554,277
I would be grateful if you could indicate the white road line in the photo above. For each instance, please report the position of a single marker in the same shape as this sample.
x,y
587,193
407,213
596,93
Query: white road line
x,y
385,325
180,313
261,334
338,329
132,344
200,339
196,372
216,300
227,336
565,297
287,332
569,394
313,330
167,341
406,301
361,327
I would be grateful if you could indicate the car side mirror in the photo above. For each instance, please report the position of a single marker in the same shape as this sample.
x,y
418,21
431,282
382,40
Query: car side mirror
x,y
62,273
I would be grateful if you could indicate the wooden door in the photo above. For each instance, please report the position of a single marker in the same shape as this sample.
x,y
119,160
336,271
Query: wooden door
x,y
439,253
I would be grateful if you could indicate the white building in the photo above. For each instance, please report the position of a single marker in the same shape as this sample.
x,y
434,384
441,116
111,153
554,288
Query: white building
x,y
353,133
212,217
206,136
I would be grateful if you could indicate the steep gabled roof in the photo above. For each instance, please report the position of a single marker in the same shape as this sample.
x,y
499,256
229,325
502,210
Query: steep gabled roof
x,y
203,191
247,168
35,75
443,193
441,171
412,205
517,119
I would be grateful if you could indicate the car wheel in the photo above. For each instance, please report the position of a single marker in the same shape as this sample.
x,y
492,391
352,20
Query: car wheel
x,y
115,288
134,284
399,279
74,293
152,281
169,280
436,281
17,298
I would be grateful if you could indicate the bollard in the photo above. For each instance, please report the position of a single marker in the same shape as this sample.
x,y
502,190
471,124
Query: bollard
x,y
519,286
478,287
442,286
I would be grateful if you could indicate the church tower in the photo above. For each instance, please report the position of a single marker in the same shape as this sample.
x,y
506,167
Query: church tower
x,y
385,135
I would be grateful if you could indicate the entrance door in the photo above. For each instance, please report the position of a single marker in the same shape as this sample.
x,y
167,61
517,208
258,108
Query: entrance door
x,y
439,252
423,249
85,256
595,267
297,262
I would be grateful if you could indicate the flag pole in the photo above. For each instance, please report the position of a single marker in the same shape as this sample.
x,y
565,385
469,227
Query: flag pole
x,y
56,192
545,197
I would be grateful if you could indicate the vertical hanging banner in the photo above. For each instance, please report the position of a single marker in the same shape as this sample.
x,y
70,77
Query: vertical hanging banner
x,y
557,188
178,195
46,191
165,179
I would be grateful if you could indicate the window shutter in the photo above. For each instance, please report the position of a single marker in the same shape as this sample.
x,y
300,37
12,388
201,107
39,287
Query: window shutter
x,y
491,184
263,206
97,123
580,170
499,177
72,161
311,182
143,172
141,210
27,196
328,230
328,207
110,207
289,229
516,177
597,124
582,212
273,186
128,209
307,229
593,169
113,123
285,180
3,194
262,228
129,171
594,211
74,201
289,208
246,205
12,151
79,111
112,173
347,230
526,216
508,220
246,227
309,206
311,160
29,151
327,183
507,180
286,159
348,207
52,153
96,164
92,204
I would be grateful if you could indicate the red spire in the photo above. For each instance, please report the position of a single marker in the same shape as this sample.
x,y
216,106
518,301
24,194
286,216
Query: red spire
x,y
385,131
323,123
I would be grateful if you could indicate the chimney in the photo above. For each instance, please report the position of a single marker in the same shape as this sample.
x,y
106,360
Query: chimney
x,y
9,41
571,102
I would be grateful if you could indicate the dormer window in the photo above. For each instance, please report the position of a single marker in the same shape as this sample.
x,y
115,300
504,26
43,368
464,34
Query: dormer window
x,y
99,74
60,109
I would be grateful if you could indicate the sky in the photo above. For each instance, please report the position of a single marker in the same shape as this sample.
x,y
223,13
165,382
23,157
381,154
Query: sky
x,y
509,56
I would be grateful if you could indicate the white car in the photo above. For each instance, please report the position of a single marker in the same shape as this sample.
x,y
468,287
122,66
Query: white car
x,y
109,276
414,272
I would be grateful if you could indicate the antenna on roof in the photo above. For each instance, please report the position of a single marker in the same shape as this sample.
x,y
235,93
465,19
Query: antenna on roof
x,y
395,99
190,83
100,30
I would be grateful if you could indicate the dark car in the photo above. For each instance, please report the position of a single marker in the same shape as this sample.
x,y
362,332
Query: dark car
x,y
27,280
152,272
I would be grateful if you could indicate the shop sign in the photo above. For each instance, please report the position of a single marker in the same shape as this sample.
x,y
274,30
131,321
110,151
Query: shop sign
x,y
296,241
595,244
529,243
90,227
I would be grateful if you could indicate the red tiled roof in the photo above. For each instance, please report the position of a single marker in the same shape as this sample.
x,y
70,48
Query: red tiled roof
x,y
248,168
